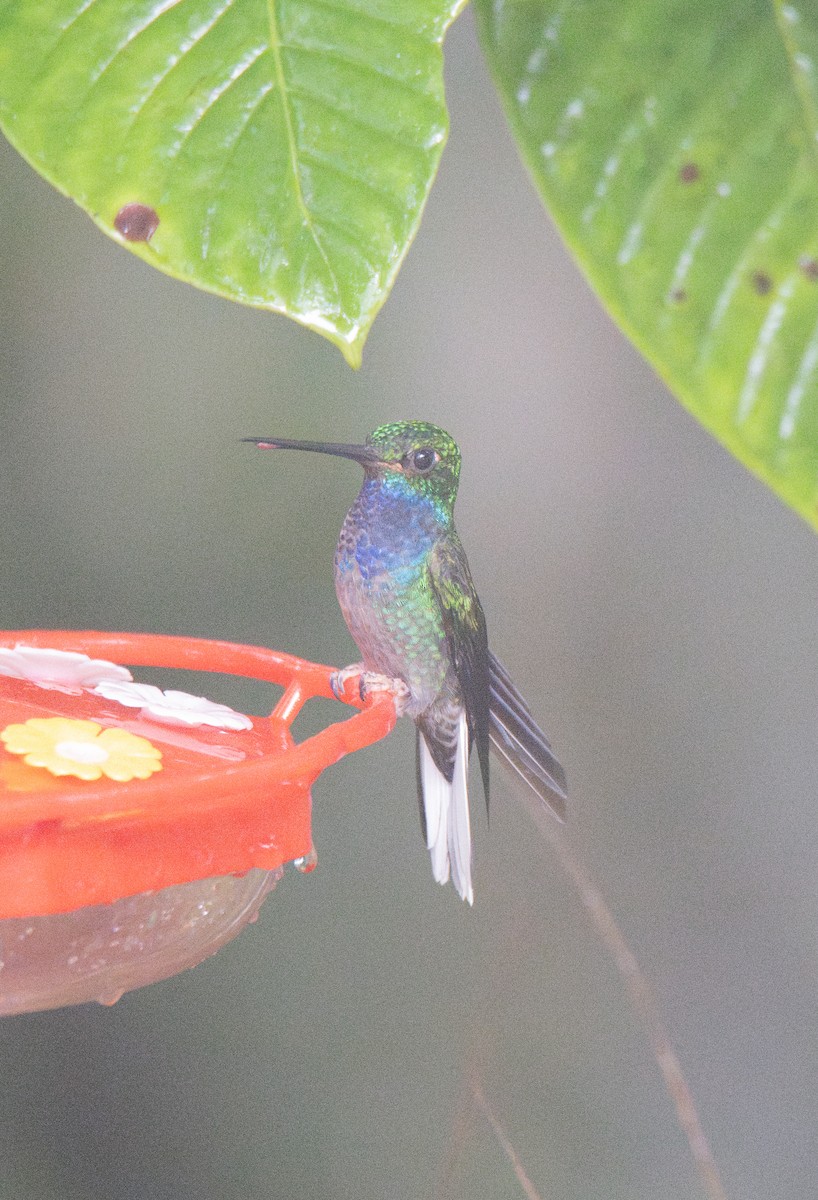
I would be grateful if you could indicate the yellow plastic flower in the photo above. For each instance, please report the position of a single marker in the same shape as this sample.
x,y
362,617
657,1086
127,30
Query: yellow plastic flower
x,y
82,748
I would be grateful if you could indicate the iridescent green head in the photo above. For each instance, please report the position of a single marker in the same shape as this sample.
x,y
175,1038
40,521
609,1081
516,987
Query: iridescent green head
x,y
426,457
413,456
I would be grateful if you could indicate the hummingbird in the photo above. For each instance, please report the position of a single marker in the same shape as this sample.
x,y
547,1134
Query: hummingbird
x,y
406,592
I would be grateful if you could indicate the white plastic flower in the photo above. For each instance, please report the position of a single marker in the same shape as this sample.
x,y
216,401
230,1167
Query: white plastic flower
x,y
60,670
174,708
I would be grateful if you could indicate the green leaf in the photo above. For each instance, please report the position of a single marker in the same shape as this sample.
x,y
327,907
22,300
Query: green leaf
x,y
286,147
675,143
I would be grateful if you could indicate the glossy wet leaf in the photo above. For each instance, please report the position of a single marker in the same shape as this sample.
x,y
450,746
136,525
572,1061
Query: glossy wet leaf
x,y
279,151
676,144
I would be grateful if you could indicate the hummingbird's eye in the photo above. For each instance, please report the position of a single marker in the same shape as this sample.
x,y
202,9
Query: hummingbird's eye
x,y
424,459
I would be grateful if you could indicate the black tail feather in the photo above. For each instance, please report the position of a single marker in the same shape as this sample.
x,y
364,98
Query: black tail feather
x,y
419,780
520,743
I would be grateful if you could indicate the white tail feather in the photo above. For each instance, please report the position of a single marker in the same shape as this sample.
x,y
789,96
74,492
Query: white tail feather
x,y
437,793
446,808
459,823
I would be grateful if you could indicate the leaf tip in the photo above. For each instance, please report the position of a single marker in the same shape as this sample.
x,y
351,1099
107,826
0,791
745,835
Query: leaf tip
x,y
353,353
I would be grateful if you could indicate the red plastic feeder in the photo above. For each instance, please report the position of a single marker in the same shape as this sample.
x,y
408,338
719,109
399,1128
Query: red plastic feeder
x,y
129,813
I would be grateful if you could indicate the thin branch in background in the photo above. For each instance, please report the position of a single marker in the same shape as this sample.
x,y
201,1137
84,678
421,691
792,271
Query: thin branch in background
x,y
483,1035
510,1153
456,1145
643,1002
642,999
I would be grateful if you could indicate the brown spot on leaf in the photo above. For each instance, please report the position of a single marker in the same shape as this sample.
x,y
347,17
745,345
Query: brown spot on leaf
x,y
136,222
678,295
762,283
809,267
689,172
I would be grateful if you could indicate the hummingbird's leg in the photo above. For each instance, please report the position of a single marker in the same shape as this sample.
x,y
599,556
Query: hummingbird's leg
x,y
339,679
370,681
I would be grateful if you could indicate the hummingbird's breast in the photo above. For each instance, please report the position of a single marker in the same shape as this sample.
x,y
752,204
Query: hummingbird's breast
x,y
384,590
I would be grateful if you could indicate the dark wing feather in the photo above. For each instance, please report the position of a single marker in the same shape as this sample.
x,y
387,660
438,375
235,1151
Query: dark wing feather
x,y
465,628
521,744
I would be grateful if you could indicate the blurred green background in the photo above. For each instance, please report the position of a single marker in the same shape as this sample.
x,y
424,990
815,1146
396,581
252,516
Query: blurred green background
x,y
655,604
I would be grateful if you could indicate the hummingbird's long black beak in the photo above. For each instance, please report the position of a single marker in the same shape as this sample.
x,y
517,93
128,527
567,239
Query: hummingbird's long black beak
x,y
365,455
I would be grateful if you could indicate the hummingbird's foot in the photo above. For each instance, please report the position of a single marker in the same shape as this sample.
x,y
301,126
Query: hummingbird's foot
x,y
338,680
371,681
398,690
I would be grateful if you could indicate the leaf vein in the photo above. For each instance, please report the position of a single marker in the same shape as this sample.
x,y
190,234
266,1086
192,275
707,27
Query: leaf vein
x,y
326,163
343,233
292,144
739,271
360,122
195,120
344,11
806,99
200,34
81,11
231,146
133,33
762,348
363,68
805,372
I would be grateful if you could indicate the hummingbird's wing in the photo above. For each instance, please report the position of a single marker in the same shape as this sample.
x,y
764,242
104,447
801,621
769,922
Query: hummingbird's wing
x,y
520,743
465,628
458,718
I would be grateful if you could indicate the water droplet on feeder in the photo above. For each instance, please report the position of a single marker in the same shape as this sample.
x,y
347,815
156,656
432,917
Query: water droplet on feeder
x,y
109,999
308,863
